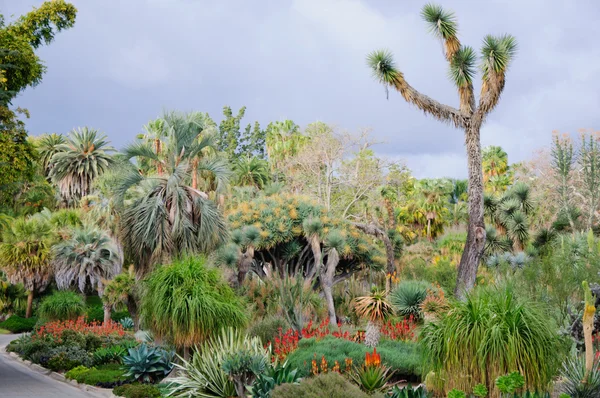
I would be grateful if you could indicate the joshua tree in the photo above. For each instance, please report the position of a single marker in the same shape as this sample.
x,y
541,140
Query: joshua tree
x,y
496,55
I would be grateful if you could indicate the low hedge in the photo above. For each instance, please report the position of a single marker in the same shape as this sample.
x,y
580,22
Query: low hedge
x,y
137,391
109,375
403,357
16,324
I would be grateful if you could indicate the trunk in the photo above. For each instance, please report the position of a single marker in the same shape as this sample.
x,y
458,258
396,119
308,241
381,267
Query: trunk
x,y
589,313
326,279
244,265
469,262
240,388
29,304
390,212
195,174
372,335
186,353
373,230
159,169
133,312
429,229
107,313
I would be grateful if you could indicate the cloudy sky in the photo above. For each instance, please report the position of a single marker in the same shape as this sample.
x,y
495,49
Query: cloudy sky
x,y
127,60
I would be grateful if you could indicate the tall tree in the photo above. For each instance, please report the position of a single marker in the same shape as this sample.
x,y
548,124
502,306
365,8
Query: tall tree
x,y
79,161
86,260
168,216
25,255
496,55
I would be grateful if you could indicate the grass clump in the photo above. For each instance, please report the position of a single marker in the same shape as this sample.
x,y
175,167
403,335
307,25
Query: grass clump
x,y
61,306
17,324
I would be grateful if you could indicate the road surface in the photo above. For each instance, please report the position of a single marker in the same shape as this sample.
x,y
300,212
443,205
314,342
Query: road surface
x,y
18,381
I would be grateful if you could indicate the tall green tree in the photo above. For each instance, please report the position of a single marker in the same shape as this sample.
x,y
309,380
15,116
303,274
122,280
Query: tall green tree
x,y
237,143
496,56
25,254
87,260
168,216
79,161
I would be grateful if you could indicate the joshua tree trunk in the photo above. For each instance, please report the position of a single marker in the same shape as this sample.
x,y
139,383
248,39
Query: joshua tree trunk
x,y
29,304
469,262
326,279
107,313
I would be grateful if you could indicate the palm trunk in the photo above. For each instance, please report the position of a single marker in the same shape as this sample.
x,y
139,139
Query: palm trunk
x,y
29,304
159,169
107,313
469,262
195,174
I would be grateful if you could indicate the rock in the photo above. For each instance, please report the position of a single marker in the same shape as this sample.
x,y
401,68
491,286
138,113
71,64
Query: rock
x,y
40,369
57,376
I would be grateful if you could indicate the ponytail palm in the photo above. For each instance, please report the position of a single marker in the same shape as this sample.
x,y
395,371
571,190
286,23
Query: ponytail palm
x,y
187,302
495,57
78,161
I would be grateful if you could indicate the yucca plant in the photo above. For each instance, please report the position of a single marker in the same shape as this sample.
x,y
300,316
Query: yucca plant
x,y
148,364
408,296
577,381
375,308
497,53
203,375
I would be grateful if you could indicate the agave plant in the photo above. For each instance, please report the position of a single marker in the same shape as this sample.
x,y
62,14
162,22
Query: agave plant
x,y
274,375
127,323
409,392
148,364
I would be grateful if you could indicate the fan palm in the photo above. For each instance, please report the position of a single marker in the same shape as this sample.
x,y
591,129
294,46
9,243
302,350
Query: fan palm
x,y
187,302
88,258
25,255
169,216
252,171
78,161
494,162
496,56
48,145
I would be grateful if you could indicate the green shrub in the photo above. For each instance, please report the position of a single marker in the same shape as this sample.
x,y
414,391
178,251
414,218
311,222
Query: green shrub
x,y
402,357
104,376
62,305
66,357
117,316
137,391
267,329
94,314
16,324
491,333
408,296
110,354
331,385
275,375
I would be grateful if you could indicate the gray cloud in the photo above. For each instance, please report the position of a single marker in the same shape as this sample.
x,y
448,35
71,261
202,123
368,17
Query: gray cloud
x,y
126,61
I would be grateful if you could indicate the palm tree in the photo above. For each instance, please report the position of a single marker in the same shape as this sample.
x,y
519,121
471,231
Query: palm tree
x,y
154,134
168,216
496,55
77,162
87,259
48,145
494,162
25,255
283,139
251,172
187,302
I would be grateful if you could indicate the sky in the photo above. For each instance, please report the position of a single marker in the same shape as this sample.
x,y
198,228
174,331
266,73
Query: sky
x,y
126,61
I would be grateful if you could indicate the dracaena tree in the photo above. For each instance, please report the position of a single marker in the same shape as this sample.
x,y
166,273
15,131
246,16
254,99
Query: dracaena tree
x,y
496,54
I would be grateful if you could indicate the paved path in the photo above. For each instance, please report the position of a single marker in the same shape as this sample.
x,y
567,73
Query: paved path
x,y
18,381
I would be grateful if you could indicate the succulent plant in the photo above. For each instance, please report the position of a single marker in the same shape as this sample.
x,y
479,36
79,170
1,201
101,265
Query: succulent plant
x,y
148,364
